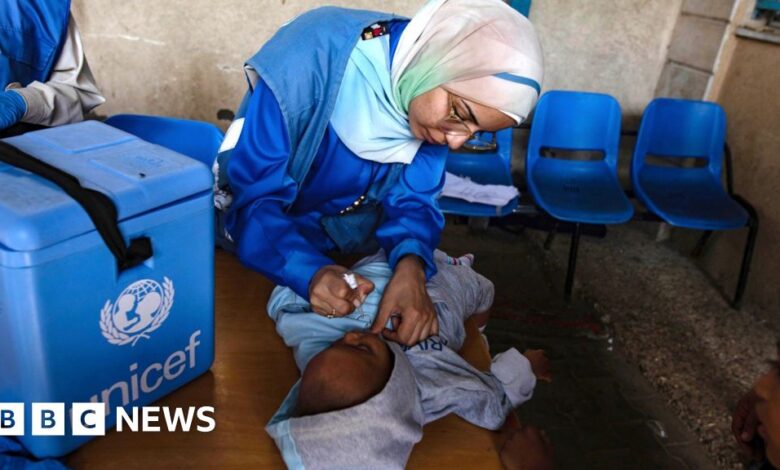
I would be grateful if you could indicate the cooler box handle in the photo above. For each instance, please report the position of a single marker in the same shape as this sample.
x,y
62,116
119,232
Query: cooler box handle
x,y
99,207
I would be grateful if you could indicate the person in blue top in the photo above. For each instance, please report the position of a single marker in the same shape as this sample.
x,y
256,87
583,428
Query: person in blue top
x,y
44,80
44,74
342,138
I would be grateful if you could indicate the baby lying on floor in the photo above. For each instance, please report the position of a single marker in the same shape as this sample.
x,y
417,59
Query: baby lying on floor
x,y
361,402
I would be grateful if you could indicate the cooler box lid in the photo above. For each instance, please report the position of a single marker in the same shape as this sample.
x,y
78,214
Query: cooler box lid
x,y
136,175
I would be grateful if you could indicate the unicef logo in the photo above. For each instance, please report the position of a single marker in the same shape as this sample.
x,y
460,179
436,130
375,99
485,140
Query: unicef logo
x,y
140,309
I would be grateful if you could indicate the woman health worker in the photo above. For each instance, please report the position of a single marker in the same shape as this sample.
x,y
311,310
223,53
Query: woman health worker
x,y
44,74
344,138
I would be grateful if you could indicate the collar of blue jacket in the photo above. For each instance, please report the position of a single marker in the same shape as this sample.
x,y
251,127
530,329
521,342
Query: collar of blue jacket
x,y
307,99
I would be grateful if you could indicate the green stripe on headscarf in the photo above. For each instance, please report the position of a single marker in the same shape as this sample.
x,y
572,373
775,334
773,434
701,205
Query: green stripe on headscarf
x,y
414,81
464,44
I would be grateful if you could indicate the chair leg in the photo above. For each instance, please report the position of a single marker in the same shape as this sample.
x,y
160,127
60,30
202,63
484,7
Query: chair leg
x,y
478,224
550,236
747,257
699,249
575,241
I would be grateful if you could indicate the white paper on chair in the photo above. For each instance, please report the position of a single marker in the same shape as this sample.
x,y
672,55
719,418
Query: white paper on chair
x,y
491,194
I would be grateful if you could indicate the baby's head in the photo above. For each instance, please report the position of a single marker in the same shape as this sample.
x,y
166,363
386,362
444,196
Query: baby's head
x,y
360,386
349,372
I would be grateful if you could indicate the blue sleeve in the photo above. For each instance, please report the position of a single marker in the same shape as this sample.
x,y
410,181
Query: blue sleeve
x,y
413,221
268,240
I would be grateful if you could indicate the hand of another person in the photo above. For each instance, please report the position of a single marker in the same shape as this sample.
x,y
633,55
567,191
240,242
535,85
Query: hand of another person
x,y
329,293
527,448
540,365
744,424
12,108
406,296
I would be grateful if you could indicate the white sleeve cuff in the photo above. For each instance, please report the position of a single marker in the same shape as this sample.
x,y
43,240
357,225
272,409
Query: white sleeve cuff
x,y
37,108
514,372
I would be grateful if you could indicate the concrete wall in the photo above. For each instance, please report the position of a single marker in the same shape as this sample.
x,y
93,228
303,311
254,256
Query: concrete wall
x,y
183,57
752,102
605,46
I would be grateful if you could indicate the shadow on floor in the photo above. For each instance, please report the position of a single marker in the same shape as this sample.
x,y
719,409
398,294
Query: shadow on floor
x,y
600,411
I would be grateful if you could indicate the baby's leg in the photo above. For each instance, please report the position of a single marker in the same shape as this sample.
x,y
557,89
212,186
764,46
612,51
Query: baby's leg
x,y
465,260
481,319
528,448
462,292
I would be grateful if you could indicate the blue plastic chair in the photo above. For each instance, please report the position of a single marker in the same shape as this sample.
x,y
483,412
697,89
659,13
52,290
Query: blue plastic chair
x,y
484,168
577,191
690,197
195,139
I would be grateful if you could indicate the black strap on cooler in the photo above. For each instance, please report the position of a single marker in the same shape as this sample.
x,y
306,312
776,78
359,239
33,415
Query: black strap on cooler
x,y
99,207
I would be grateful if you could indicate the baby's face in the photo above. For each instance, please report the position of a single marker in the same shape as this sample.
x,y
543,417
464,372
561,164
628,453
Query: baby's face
x,y
349,372
358,356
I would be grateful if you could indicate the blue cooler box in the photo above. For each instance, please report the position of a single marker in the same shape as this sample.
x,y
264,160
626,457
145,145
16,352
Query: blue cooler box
x,y
73,327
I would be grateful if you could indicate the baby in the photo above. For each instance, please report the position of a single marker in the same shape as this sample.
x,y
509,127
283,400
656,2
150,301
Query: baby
x,y
361,402
349,372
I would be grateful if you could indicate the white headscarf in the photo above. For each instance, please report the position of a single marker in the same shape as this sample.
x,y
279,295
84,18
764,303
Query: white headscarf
x,y
480,50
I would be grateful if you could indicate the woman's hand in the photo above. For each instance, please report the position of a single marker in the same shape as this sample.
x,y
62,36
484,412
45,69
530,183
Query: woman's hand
x,y
329,293
405,296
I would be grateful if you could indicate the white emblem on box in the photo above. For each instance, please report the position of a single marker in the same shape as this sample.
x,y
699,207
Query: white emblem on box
x,y
140,309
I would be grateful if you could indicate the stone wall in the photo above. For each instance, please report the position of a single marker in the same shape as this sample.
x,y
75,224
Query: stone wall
x,y
696,48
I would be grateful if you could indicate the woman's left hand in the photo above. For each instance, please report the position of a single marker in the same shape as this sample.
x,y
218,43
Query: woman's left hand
x,y
405,296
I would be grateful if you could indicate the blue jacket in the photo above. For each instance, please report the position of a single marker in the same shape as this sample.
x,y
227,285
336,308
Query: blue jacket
x,y
31,36
289,169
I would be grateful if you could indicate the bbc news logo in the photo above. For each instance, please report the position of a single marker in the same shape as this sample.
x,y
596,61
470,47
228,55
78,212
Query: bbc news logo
x,y
89,419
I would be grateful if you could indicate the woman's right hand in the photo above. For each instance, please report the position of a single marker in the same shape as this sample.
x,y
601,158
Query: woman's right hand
x,y
329,293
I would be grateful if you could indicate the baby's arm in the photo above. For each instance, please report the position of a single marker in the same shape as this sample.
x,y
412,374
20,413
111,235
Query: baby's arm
x,y
518,373
449,384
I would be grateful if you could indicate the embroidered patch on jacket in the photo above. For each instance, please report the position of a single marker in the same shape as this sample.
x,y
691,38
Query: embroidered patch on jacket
x,y
374,31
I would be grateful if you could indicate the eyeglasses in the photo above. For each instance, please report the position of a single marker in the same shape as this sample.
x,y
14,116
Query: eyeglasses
x,y
453,124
